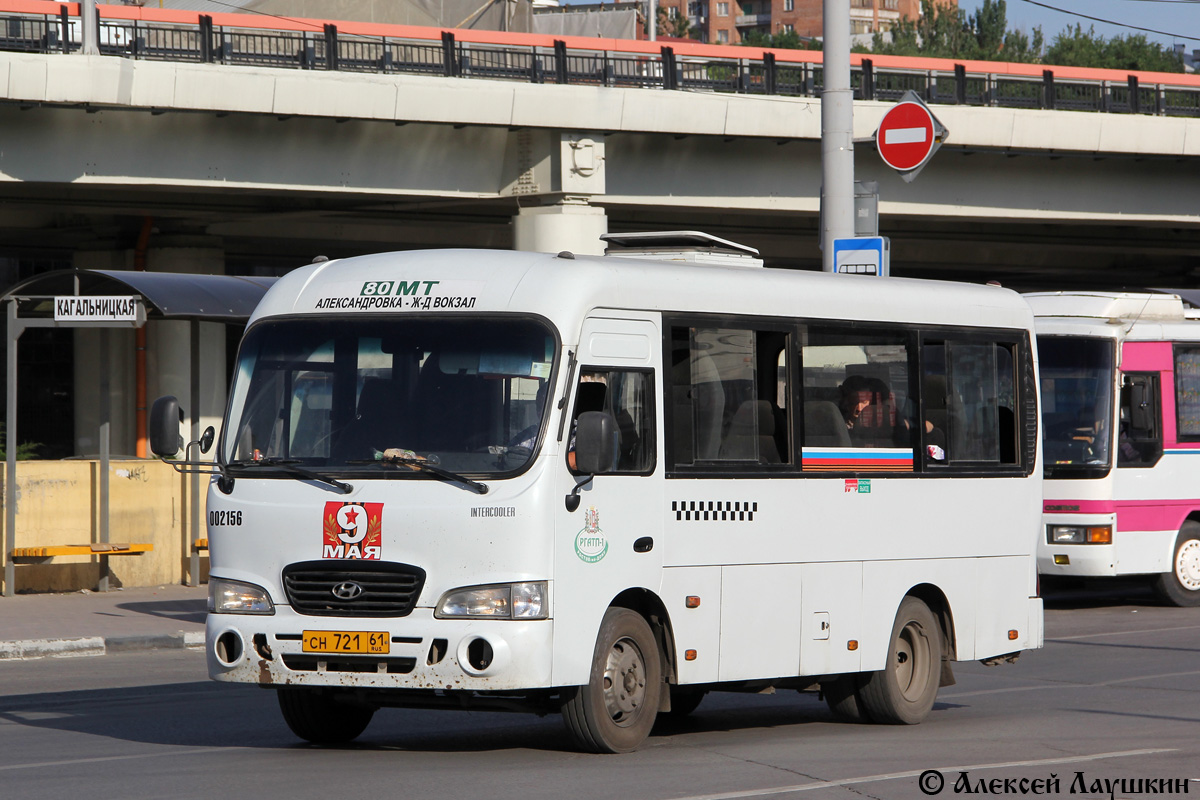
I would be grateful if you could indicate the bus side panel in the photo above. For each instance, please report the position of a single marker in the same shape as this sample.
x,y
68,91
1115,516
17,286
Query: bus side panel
x,y
696,628
1001,606
885,583
832,608
760,621
1144,552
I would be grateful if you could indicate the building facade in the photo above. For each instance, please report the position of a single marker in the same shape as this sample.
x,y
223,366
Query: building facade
x,y
730,21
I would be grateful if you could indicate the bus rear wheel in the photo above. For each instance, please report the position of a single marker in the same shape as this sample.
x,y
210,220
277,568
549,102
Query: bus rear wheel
x,y
902,693
1181,586
317,717
615,711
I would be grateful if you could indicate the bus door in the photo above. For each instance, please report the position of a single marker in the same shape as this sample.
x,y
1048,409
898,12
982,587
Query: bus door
x,y
611,541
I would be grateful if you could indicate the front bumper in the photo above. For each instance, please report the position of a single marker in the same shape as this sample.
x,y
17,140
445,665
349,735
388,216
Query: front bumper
x,y
424,653
1077,560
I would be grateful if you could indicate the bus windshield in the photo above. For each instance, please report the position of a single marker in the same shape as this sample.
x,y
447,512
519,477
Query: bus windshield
x,y
466,394
1077,392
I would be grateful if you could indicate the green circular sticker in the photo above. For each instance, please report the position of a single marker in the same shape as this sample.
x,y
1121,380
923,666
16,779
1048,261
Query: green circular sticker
x,y
590,544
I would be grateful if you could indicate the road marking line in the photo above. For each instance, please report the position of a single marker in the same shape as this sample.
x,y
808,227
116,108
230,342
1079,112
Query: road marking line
x,y
905,135
1122,633
804,787
101,759
1068,685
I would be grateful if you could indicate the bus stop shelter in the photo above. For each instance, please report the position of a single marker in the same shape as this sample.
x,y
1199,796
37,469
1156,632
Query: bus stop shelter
x,y
106,299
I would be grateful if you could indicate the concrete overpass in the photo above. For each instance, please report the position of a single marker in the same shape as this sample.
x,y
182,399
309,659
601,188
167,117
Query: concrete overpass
x,y
263,168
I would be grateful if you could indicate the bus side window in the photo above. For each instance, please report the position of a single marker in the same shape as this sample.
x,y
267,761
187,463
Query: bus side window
x,y
628,396
1139,438
727,390
969,402
856,388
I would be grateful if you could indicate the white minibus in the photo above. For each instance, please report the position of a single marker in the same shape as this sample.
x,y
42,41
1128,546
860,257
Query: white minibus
x,y
606,486
1120,381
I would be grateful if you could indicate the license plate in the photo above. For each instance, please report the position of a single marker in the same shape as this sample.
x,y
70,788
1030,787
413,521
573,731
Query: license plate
x,y
360,642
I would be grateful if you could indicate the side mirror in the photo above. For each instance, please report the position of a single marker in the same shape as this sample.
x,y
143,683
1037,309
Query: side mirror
x,y
165,417
596,437
206,439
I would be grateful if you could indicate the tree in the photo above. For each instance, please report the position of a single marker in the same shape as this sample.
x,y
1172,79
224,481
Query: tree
x,y
678,27
943,31
1075,47
25,451
784,40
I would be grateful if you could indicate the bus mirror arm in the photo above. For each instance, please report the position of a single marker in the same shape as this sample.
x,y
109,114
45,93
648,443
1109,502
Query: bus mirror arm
x,y
573,498
165,441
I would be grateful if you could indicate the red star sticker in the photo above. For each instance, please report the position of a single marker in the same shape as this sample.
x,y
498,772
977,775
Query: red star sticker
x,y
351,515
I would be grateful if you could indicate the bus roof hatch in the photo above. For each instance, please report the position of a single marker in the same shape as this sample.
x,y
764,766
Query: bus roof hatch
x,y
693,247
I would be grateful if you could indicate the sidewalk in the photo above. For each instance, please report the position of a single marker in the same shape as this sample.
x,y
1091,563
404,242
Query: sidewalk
x,y
96,623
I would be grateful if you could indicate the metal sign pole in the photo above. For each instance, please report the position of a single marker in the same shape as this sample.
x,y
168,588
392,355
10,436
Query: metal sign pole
x,y
10,452
194,533
105,440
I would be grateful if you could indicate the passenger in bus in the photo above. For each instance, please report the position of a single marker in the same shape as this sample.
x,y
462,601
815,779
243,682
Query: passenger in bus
x,y
869,408
855,396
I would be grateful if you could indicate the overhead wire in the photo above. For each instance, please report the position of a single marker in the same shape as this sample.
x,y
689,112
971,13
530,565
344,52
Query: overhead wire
x,y
1113,22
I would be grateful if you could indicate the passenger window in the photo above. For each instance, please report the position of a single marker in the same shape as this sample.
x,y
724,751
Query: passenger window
x,y
627,395
969,402
727,387
856,400
1187,393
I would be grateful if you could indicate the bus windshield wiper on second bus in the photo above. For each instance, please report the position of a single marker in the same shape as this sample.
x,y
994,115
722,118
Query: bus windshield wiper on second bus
x,y
289,466
408,458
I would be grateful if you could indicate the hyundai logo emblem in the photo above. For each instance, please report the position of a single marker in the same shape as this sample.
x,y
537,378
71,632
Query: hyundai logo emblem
x,y
347,590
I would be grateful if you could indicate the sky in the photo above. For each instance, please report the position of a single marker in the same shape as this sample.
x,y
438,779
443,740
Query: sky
x,y
1176,21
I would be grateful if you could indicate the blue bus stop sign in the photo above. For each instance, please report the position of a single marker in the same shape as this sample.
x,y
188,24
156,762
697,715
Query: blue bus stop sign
x,y
864,255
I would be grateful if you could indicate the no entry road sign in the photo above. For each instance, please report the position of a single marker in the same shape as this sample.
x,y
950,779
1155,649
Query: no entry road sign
x,y
908,135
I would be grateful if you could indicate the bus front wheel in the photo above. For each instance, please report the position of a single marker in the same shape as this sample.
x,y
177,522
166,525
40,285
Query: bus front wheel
x,y
615,711
1181,586
315,716
904,690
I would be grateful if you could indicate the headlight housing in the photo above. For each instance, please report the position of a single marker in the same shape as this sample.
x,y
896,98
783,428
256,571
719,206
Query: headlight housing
x,y
1079,534
235,597
527,600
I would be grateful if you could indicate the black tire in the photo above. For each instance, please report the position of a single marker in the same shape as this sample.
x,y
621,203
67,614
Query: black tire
x,y
1181,586
684,700
902,693
615,711
841,695
315,716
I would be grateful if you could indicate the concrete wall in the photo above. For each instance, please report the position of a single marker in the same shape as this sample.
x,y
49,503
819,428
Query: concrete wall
x,y
58,502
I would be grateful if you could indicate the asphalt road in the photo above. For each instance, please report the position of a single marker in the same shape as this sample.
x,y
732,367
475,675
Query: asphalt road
x,y
1114,695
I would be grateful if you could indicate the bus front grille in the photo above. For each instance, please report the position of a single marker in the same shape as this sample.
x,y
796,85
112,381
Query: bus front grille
x,y
352,588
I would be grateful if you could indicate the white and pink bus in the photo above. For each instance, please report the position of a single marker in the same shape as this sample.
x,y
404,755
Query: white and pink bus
x,y
1120,379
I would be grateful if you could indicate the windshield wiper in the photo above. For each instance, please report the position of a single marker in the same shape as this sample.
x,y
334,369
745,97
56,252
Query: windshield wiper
x,y
289,466
418,463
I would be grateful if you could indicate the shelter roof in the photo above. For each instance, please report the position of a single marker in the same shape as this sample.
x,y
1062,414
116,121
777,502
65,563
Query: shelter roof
x,y
167,295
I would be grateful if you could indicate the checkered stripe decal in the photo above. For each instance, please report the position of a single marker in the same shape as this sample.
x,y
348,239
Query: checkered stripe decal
x,y
713,511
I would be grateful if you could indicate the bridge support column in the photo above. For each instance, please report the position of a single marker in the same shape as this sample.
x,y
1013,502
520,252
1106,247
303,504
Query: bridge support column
x,y
570,224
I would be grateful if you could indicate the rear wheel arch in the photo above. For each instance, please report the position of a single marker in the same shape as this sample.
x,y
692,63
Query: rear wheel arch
x,y
938,603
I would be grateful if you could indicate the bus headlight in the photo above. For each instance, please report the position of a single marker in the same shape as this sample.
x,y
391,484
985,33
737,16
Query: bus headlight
x,y
234,597
500,601
1079,534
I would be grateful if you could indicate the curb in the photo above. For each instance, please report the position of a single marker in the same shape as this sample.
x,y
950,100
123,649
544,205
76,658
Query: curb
x,y
99,645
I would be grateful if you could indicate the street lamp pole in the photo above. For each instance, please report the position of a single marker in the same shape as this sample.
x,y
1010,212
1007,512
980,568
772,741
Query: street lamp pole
x,y
837,131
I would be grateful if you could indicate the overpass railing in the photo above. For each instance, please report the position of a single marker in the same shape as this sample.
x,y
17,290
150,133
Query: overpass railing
x,y
242,39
